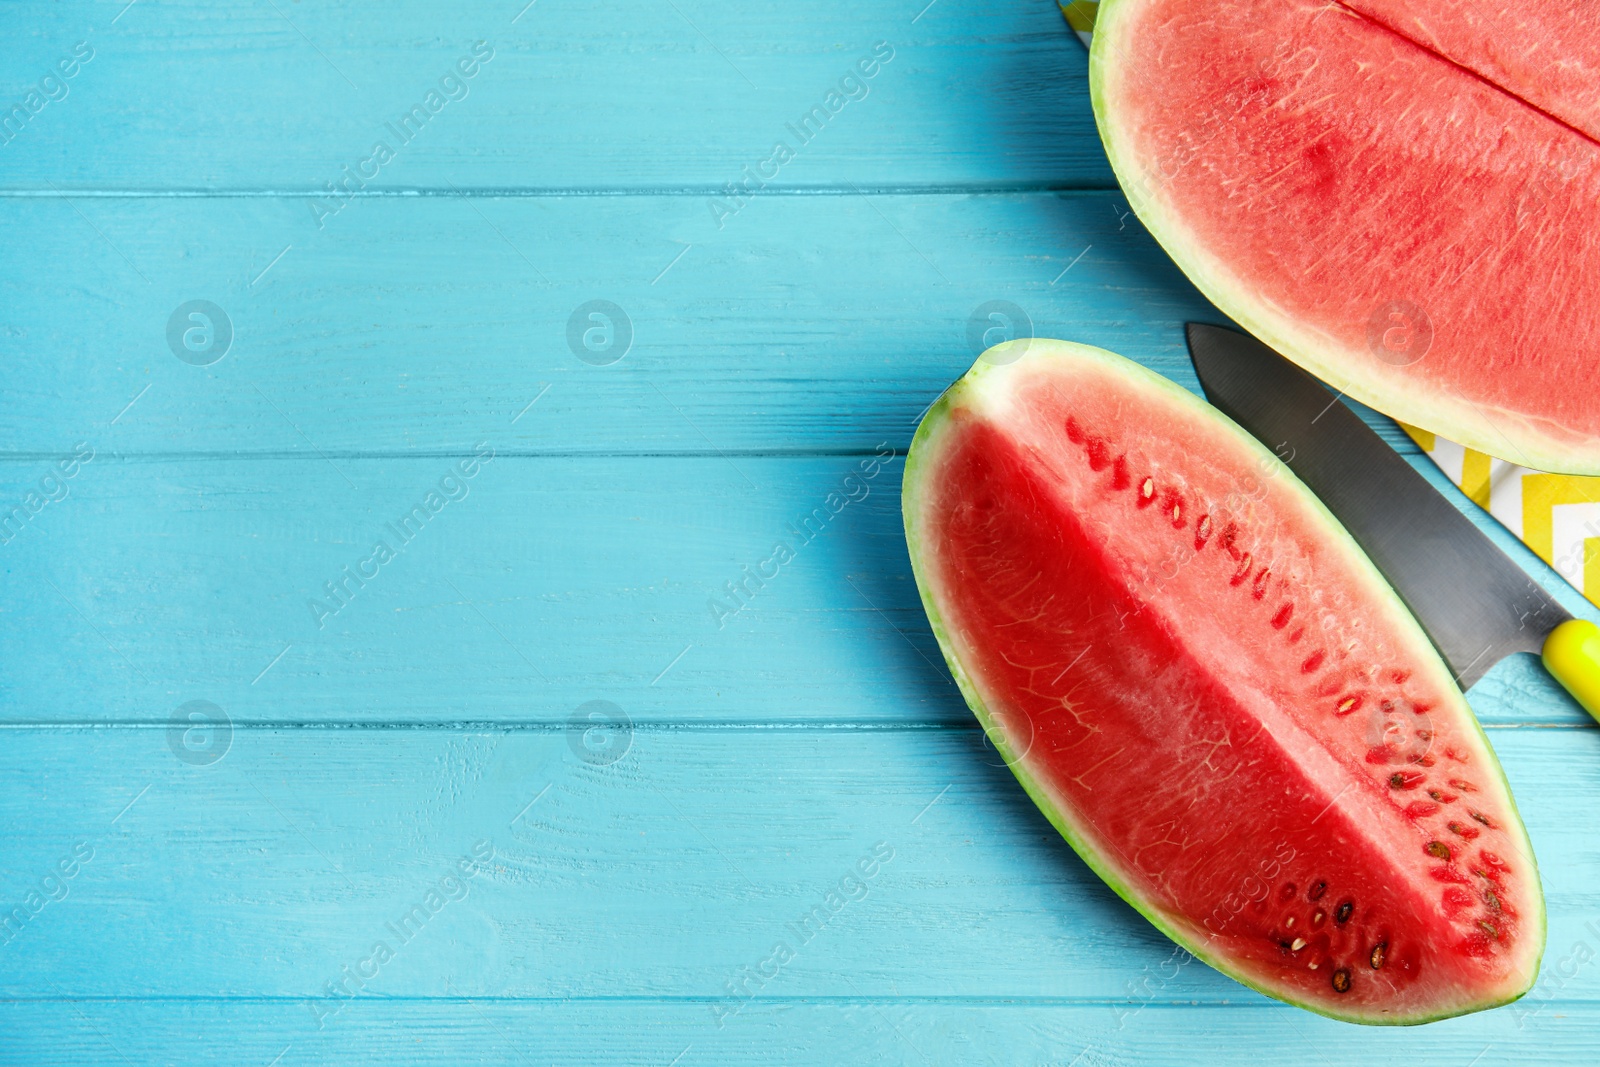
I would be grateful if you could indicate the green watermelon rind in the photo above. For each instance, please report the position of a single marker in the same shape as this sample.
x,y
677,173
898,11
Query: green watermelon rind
x,y
1396,394
997,360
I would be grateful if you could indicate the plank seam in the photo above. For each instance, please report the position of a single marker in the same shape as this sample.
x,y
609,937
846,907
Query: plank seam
x,y
995,1001
963,724
574,192
292,454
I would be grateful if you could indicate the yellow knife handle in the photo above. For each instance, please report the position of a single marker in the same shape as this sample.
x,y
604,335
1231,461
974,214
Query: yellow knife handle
x,y
1572,656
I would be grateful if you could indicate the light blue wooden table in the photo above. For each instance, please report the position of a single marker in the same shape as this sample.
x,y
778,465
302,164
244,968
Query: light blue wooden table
x,y
601,797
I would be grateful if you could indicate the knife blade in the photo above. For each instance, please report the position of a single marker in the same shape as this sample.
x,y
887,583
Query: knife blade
x,y
1474,602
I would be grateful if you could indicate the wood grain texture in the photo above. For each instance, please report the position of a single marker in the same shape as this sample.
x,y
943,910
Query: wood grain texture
x,y
806,324
427,325
378,340
654,1033
661,874
613,95
546,582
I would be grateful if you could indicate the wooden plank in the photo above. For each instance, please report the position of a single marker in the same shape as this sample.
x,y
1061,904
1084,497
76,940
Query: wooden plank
x,y
776,343
427,325
545,583
872,1028
661,875
615,95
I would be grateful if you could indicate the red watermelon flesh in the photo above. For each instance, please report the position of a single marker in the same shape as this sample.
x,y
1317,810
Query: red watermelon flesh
x,y
1545,53
1403,196
1213,694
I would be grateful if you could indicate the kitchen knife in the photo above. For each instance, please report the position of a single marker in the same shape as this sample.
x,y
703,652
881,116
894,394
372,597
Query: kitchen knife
x,y
1475,603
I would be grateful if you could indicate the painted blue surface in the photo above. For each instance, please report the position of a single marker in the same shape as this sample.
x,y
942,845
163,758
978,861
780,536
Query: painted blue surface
x,y
657,789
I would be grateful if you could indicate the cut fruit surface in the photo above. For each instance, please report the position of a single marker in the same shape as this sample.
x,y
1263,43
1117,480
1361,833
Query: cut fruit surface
x,y
1403,196
1213,694
1546,53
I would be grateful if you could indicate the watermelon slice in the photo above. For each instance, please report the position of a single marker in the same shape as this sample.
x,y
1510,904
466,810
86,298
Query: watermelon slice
x,y
1212,693
1403,196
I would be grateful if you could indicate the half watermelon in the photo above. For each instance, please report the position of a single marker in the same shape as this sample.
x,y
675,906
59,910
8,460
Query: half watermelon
x,y
1212,693
1403,196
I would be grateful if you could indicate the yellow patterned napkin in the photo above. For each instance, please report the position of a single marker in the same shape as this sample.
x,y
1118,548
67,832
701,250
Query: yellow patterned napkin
x,y
1080,16
1556,515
